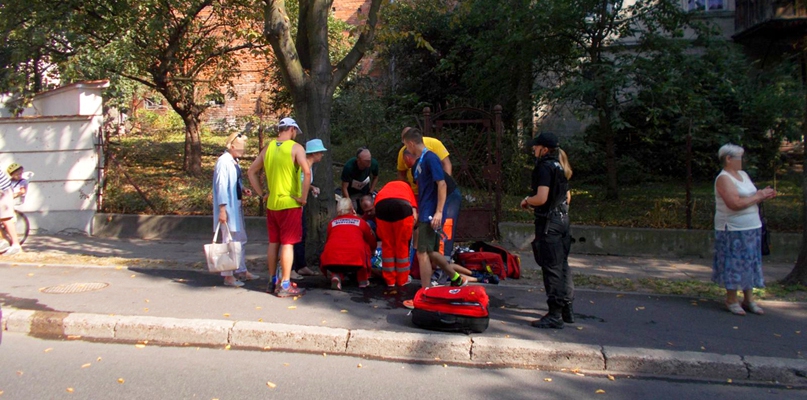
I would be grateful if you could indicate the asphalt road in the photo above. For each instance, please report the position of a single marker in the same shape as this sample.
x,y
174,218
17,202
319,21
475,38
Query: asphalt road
x,y
604,318
33,368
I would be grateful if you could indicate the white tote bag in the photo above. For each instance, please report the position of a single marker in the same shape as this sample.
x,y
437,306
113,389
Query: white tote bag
x,y
222,257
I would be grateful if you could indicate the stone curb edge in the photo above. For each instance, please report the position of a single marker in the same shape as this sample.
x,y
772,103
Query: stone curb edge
x,y
405,346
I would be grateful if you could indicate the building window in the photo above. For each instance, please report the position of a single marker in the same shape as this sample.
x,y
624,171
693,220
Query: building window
x,y
706,5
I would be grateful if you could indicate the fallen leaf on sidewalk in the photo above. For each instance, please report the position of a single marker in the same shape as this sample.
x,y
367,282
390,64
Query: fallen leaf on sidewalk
x,y
227,347
271,385
445,365
87,365
19,373
31,274
344,311
735,327
49,349
639,308
147,300
133,276
611,378
547,379
98,359
777,335
325,354
600,391
670,344
69,390
120,380
703,348
145,309
260,319
267,348
140,345
728,380
620,295
258,308
579,328
227,315
292,307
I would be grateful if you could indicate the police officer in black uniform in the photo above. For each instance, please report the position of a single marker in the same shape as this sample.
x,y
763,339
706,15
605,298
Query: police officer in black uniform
x,y
549,200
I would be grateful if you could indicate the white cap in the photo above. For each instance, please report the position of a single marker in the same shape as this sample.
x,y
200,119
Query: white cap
x,y
288,122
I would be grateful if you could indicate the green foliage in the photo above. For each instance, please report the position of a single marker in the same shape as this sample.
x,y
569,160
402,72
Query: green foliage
x,y
158,121
711,90
362,118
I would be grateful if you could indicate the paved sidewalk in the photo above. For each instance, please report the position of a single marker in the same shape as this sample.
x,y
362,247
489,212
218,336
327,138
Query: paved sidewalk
x,y
157,291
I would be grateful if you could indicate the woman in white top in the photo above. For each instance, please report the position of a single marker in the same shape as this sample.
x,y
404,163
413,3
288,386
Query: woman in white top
x,y
738,255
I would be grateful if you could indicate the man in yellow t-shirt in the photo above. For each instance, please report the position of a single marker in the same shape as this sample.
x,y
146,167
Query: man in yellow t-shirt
x,y
282,160
436,147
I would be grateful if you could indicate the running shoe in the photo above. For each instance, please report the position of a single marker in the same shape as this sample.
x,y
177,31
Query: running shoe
x,y
292,291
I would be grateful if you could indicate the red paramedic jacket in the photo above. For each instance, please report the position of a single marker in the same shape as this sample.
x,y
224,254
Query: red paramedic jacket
x,y
349,242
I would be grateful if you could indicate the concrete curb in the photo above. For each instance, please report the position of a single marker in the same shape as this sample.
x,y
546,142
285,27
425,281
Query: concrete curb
x,y
675,363
405,346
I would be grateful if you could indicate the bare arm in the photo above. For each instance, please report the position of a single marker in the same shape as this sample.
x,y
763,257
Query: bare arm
x,y
539,198
728,192
344,190
298,152
437,221
372,183
253,173
446,165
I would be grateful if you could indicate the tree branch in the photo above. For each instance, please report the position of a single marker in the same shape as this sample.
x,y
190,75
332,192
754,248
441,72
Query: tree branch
x,y
278,32
357,52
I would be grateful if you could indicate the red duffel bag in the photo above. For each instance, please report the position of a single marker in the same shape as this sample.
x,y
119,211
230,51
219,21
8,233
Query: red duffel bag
x,y
482,261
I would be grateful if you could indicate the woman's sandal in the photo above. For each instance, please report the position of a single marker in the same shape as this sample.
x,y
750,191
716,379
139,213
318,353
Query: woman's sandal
x,y
754,308
735,308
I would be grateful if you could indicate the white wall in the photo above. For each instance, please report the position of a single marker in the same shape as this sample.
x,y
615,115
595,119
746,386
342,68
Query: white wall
x,y
58,140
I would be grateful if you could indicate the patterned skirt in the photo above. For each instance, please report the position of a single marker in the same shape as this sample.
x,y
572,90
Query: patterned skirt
x,y
738,260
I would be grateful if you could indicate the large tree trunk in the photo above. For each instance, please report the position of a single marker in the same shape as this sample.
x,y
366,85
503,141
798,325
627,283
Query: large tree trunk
x,y
524,103
799,272
312,80
192,160
612,189
313,112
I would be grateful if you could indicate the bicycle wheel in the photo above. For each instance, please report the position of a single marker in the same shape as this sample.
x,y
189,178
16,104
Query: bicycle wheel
x,y
22,226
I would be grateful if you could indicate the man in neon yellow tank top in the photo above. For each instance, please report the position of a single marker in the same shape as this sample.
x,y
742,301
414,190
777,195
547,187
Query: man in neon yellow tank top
x,y
282,160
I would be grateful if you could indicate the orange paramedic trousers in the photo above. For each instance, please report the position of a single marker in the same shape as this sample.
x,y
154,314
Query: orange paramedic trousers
x,y
395,238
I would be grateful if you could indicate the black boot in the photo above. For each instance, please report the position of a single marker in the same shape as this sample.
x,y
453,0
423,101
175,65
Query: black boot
x,y
568,313
552,319
548,321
